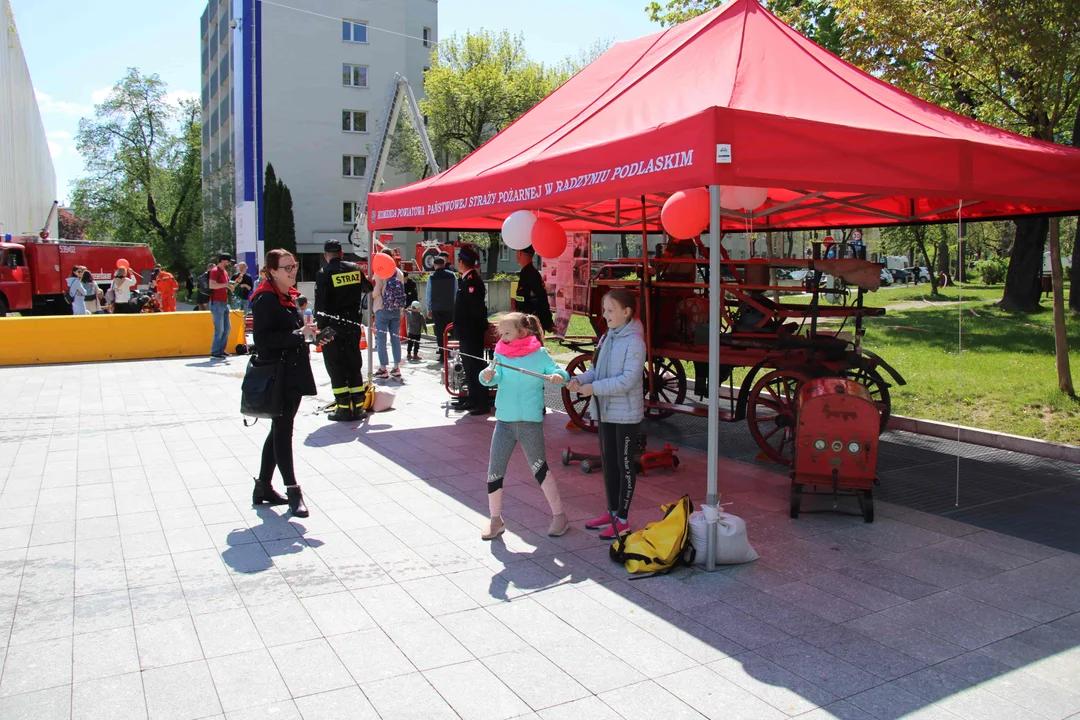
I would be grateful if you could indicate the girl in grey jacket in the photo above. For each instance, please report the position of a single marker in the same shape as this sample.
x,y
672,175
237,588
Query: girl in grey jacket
x,y
615,382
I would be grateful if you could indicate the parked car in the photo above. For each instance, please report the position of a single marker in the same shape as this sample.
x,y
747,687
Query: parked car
x,y
900,275
886,277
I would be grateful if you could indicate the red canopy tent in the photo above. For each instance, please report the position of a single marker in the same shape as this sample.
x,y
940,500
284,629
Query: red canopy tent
x,y
735,97
836,146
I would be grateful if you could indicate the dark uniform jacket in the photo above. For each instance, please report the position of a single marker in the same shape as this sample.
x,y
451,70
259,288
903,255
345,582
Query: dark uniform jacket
x,y
339,289
532,296
275,324
441,285
470,308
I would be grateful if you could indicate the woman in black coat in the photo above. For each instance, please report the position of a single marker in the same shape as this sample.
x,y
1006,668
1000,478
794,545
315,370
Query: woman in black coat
x,y
279,333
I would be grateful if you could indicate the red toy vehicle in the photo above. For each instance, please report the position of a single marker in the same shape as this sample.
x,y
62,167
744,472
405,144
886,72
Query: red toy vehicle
x,y
836,442
33,271
780,344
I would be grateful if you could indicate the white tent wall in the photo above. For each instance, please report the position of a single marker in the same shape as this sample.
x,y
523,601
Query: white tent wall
x,y
27,178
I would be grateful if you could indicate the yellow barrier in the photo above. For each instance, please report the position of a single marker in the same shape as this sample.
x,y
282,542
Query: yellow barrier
x,y
93,338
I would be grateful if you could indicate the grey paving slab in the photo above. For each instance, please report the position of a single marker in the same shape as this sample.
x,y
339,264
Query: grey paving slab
x,y
386,603
119,697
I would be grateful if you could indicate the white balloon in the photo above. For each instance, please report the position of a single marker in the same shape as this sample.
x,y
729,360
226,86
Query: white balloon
x,y
749,198
517,229
727,198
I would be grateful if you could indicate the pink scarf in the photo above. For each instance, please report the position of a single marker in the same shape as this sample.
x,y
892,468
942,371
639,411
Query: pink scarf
x,y
518,348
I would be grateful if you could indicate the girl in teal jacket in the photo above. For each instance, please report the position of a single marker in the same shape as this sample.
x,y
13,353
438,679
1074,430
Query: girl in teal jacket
x,y
519,412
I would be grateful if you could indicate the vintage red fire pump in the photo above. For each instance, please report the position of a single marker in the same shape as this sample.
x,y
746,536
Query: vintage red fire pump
x,y
836,442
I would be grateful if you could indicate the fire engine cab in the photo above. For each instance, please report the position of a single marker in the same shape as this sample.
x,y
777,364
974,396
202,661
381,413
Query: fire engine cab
x,y
33,271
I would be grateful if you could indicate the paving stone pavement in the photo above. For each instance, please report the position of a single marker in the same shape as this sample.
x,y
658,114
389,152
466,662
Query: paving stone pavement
x,y
136,580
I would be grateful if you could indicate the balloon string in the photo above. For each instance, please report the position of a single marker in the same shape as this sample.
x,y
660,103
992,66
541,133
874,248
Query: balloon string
x,y
434,344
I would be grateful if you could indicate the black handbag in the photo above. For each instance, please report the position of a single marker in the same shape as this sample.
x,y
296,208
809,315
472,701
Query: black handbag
x,y
262,394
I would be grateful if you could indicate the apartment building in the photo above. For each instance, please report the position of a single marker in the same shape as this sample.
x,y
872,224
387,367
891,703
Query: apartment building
x,y
27,178
302,85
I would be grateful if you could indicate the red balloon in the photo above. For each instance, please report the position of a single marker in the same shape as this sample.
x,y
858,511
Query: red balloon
x,y
122,263
686,213
383,265
548,238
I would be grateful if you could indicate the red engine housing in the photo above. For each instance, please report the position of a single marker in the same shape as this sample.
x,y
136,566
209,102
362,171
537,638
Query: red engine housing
x,y
836,438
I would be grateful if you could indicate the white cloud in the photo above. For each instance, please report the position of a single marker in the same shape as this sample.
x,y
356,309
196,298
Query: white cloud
x,y
49,104
176,96
98,96
55,149
58,135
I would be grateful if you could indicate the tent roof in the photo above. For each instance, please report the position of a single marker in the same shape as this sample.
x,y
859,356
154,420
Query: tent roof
x,y
835,146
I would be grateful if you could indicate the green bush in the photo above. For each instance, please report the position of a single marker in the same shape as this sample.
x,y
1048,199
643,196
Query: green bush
x,y
992,270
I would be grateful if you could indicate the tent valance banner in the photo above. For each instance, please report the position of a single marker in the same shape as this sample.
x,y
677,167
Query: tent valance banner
x,y
735,97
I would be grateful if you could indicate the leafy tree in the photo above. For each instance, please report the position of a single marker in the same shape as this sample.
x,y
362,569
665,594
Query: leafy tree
x,y
818,20
142,158
288,222
72,227
279,225
271,209
477,85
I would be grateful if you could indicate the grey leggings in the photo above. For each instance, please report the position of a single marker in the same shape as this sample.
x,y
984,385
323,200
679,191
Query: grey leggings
x,y
508,434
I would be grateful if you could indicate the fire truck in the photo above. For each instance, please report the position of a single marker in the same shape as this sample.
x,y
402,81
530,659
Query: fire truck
x,y
34,271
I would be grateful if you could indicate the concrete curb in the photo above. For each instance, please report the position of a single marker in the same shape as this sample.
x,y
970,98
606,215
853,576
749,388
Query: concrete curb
x,y
986,438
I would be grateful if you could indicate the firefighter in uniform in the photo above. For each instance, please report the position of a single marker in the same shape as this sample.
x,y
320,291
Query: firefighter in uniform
x,y
339,289
532,294
470,329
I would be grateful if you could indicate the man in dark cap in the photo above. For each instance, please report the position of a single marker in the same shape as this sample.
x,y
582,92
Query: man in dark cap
x,y
219,304
470,327
532,294
441,293
339,289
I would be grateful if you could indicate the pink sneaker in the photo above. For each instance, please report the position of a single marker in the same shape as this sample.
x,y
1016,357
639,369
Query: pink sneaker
x,y
599,523
620,527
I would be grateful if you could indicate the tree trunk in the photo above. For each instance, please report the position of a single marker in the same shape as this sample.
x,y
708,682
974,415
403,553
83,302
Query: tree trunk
x,y
624,247
493,254
1061,340
1023,283
1074,271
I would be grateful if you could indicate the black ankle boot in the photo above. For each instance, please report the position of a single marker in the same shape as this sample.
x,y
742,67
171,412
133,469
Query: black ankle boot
x,y
265,493
296,501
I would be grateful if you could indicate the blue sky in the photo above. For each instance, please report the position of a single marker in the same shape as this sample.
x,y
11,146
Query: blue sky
x,y
76,50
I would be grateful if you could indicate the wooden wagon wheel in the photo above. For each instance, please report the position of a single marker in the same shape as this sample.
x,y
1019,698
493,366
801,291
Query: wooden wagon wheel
x,y
771,413
577,405
870,379
669,386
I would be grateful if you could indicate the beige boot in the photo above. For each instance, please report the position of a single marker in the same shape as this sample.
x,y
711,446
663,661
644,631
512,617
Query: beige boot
x,y
559,526
494,529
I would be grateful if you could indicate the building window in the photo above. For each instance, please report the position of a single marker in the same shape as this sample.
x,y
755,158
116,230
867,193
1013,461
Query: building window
x,y
223,68
353,165
354,121
348,212
427,38
354,75
354,31
226,110
504,252
213,43
206,134
213,83
205,58
206,95
214,122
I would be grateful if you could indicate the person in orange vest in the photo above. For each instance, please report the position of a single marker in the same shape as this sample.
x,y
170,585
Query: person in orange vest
x,y
167,288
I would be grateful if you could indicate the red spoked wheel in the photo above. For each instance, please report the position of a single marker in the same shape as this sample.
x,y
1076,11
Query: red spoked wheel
x,y
577,406
669,386
871,379
771,413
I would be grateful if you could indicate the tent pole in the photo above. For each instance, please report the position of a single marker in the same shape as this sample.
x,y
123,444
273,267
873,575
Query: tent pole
x,y
712,499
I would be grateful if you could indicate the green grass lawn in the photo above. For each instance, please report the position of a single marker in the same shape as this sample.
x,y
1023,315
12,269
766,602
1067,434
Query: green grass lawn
x,y
1005,379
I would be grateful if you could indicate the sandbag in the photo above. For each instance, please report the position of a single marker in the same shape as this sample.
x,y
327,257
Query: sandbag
x,y
732,545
